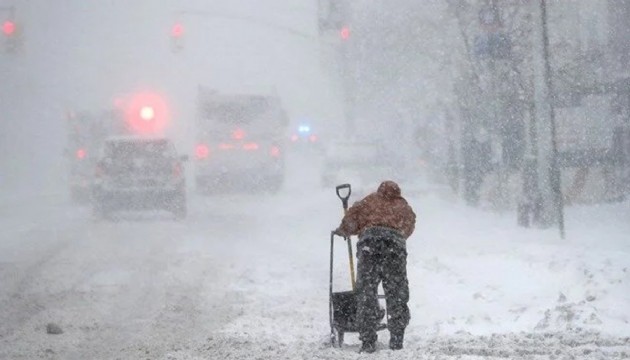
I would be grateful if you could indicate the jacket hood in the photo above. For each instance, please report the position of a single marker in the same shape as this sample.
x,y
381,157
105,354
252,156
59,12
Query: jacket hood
x,y
389,190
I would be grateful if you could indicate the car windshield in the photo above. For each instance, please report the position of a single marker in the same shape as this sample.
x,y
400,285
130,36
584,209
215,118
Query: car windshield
x,y
238,113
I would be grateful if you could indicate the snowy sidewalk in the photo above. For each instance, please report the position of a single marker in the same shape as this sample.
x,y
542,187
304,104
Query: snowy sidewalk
x,y
480,288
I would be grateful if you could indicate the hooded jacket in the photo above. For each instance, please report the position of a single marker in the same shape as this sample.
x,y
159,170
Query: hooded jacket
x,y
384,208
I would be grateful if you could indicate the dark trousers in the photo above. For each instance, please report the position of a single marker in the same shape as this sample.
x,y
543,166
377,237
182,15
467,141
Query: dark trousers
x,y
381,259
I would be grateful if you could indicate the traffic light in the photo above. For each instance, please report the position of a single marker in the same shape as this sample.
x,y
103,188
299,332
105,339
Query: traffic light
x,y
8,28
344,33
11,32
177,37
334,15
177,30
146,113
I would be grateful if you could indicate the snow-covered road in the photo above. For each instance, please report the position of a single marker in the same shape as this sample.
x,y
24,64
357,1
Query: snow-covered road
x,y
246,277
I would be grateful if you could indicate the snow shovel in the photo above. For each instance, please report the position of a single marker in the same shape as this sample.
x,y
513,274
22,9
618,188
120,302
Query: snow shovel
x,y
340,189
342,305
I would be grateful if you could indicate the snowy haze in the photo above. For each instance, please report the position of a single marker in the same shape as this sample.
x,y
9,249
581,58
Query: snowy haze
x,y
83,55
245,274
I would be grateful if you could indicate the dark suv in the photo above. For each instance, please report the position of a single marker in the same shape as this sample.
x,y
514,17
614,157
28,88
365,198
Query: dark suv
x,y
135,173
240,142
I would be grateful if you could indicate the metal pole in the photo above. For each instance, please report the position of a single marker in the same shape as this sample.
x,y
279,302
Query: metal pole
x,y
554,171
330,282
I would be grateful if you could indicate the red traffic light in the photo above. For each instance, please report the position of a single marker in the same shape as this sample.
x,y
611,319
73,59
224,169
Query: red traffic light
x,y
177,30
80,154
345,33
8,28
147,113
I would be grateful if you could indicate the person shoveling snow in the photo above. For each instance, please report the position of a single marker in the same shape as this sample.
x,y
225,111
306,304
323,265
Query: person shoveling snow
x,y
383,221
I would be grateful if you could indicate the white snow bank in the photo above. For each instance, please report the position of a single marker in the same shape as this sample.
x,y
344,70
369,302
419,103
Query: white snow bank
x,y
480,287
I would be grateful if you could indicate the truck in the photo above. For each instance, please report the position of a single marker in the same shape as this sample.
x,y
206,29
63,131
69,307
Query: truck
x,y
240,142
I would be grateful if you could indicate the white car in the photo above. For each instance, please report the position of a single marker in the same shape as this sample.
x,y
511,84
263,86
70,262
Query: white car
x,y
137,173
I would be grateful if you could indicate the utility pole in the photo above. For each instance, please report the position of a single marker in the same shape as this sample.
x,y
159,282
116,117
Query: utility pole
x,y
552,211
481,138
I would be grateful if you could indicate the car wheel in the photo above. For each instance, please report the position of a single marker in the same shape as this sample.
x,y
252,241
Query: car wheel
x,y
101,208
274,184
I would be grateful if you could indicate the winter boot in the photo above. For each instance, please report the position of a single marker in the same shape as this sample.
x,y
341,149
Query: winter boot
x,y
368,347
396,340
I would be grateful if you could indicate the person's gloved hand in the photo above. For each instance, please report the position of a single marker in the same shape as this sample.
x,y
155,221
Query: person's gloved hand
x,y
339,232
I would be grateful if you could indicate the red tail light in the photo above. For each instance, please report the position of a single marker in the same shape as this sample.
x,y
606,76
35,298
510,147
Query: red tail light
x,y
238,134
275,151
80,154
250,146
202,151
313,138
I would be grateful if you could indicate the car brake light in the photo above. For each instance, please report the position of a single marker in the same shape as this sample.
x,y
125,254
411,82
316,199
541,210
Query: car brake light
x,y
313,138
80,154
202,151
275,151
238,134
250,146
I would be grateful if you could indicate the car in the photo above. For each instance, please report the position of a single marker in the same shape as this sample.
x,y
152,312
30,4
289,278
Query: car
x,y
305,139
138,173
240,142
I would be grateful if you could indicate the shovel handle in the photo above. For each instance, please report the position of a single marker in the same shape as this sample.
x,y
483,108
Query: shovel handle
x,y
353,281
343,193
344,197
